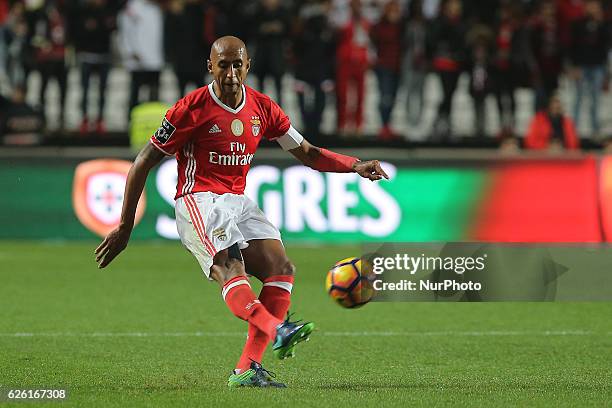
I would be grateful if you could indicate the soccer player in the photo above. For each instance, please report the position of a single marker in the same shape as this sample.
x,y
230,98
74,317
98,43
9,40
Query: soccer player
x,y
214,132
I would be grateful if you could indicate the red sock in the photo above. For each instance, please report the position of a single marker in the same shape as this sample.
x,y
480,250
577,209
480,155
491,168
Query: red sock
x,y
243,303
276,297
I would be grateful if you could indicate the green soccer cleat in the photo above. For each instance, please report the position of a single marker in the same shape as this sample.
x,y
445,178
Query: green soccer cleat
x,y
256,376
288,335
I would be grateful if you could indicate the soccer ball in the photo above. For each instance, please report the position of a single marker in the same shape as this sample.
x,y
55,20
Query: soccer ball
x,y
347,285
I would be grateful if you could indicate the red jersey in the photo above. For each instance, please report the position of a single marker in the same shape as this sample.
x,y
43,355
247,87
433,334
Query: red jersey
x,y
213,143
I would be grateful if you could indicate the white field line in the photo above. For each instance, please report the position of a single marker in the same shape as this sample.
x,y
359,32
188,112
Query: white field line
x,y
326,334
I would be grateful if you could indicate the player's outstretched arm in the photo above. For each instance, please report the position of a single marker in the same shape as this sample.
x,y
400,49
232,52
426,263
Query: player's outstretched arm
x,y
322,159
117,240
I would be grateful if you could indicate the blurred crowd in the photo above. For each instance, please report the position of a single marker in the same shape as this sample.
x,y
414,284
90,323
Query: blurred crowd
x,y
328,46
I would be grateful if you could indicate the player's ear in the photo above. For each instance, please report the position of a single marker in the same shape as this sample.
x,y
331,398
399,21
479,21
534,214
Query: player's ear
x,y
248,65
209,66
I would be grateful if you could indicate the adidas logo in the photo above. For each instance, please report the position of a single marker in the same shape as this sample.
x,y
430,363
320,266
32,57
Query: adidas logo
x,y
251,304
215,129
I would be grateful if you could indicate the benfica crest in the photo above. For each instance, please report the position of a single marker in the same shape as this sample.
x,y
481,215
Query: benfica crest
x,y
97,194
255,125
220,234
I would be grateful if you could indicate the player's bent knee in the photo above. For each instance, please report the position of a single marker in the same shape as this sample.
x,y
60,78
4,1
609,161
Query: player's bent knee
x,y
225,269
288,268
285,268
224,273
217,274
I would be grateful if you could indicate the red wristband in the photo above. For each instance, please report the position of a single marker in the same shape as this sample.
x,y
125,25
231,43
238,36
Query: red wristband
x,y
334,162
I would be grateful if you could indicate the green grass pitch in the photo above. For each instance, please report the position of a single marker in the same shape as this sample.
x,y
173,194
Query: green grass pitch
x,y
150,331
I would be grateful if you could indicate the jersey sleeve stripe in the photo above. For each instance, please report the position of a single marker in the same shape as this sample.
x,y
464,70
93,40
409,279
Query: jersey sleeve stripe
x,y
192,170
189,169
160,149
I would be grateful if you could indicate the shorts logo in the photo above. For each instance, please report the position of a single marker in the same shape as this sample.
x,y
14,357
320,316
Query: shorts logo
x,y
237,127
220,234
97,194
255,125
165,131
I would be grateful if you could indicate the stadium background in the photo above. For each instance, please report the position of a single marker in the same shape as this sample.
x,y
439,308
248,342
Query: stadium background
x,y
150,331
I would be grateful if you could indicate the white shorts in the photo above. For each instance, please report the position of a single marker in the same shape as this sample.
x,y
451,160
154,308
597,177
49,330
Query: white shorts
x,y
208,223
